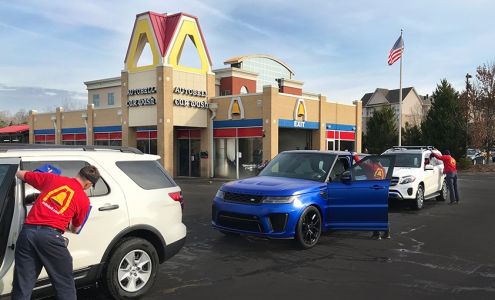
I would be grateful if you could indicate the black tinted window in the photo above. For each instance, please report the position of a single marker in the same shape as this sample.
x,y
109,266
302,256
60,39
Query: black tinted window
x,y
69,168
147,174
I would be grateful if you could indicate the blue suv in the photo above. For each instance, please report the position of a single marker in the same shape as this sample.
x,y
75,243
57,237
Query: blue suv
x,y
299,194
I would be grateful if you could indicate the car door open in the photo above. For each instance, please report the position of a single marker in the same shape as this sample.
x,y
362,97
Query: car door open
x,y
359,199
8,213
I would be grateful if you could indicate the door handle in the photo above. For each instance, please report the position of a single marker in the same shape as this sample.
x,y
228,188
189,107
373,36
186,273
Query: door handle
x,y
108,207
377,187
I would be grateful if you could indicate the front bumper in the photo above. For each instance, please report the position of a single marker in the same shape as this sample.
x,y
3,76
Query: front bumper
x,y
274,221
402,192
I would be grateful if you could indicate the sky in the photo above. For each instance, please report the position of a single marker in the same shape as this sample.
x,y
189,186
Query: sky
x,y
337,48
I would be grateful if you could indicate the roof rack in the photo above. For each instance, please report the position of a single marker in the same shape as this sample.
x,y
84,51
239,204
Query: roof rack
x,y
414,147
4,147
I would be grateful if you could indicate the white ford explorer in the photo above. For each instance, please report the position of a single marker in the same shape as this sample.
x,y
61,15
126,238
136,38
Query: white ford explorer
x,y
134,225
417,178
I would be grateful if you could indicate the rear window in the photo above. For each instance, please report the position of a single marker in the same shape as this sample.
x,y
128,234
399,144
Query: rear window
x,y
148,174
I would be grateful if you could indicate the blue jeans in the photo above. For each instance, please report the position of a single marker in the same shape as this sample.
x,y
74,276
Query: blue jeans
x,y
452,186
37,247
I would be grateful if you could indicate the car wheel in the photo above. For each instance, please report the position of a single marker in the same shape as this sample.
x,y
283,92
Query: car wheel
x,y
132,269
417,203
308,228
443,192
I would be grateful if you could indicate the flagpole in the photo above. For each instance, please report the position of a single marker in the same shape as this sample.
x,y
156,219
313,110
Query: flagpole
x,y
400,93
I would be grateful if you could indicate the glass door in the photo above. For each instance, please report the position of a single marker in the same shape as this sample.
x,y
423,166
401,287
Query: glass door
x,y
195,146
189,160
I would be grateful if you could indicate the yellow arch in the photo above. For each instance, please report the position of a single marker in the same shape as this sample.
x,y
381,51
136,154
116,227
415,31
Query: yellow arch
x,y
142,34
236,110
188,28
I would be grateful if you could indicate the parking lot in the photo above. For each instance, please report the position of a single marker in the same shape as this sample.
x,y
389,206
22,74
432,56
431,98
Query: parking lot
x,y
440,252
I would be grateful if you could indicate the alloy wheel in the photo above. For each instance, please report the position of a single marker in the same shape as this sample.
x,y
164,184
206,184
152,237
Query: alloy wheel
x,y
311,228
134,271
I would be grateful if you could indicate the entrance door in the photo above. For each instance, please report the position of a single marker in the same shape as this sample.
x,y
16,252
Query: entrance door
x,y
195,158
189,157
330,145
10,219
357,200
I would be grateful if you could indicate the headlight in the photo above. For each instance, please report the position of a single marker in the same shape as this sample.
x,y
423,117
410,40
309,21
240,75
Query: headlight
x,y
220,194
279,200
407,179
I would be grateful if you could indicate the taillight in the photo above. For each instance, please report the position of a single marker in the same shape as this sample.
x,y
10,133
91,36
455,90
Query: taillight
x,y
177,196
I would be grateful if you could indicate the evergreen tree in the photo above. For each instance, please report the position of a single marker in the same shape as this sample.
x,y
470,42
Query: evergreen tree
x,y
381,130
411,135
444,126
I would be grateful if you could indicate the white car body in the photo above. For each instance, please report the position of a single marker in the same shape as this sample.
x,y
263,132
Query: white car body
x,y
430,176
125,210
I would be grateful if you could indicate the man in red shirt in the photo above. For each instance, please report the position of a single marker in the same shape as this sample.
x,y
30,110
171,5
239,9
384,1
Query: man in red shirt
x,y
62,204
450,170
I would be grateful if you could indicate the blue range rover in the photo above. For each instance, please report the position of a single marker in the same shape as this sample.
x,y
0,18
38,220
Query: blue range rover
x,y
299,194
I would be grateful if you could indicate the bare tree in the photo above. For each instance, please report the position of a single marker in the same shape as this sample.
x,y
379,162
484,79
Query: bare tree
x,y
481,107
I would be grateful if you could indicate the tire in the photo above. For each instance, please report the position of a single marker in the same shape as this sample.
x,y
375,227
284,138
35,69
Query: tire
x,y
138,276
443,192
308,229
418,202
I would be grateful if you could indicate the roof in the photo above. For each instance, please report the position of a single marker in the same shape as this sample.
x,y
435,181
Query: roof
x,y
238,59
164,27
392,96
14,129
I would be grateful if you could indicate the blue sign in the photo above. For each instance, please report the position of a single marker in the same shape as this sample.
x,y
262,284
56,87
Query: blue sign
x,y
283,123
342,127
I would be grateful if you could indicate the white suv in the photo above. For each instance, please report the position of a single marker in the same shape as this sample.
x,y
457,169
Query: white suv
x,y
416,177
135,221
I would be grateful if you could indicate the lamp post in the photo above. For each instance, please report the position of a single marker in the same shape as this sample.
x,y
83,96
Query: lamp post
x,y
468,88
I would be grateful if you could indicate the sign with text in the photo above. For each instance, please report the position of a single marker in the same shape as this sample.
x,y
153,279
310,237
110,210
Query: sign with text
x,y
189,92
283,123
191,103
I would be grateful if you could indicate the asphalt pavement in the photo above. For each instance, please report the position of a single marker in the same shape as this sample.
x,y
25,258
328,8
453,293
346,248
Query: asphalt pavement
x,y
441,252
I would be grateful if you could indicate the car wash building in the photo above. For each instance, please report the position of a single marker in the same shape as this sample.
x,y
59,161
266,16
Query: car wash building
x,y
202,122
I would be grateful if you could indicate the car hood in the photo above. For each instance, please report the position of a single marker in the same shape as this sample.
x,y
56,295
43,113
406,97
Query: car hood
x,y
272,186
401,172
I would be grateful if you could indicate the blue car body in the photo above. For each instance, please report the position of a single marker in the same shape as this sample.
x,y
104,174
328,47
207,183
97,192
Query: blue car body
x,y
351,205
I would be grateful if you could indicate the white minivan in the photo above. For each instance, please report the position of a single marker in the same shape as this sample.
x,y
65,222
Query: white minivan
x,y
135,221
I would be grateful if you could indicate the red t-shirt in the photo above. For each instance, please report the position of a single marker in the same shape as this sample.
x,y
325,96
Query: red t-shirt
x,y
61,200
449,163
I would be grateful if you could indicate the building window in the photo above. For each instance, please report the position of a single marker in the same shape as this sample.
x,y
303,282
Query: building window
x,y
111,99
225,93
96,100
244,90
249,150
147,140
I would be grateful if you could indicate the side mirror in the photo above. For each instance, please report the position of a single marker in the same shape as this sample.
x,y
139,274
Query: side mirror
x,y
346,176
429,168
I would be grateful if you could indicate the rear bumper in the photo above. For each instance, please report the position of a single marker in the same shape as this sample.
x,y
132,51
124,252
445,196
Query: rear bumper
x,y
174,248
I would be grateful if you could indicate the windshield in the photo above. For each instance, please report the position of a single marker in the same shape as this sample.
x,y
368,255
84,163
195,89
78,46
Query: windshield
x,y
301,165
408,160
471,152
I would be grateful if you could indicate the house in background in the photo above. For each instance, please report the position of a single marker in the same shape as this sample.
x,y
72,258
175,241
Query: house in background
x,y
414,106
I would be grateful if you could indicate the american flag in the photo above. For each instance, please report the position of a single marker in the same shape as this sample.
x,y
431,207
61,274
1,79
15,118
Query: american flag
x,y
396,51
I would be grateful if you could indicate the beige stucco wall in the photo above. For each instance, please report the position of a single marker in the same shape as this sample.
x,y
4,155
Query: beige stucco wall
x,y
73,119
103,92
189,116
106,117
142,115
43,121
252,110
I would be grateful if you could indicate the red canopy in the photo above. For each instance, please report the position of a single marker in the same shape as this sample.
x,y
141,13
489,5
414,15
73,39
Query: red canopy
x,y
14,129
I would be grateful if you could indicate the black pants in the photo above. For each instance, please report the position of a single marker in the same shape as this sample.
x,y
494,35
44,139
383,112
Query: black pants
x,y
37,247
452,186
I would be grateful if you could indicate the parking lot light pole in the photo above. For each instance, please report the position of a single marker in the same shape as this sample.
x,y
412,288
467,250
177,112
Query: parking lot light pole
x,y
468,88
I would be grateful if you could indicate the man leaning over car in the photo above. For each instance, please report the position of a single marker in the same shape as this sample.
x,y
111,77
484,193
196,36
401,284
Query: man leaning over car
x,y
62,201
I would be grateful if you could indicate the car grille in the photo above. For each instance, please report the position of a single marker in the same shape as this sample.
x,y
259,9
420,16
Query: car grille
x,y
239,221
278,222
394,181
242,198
